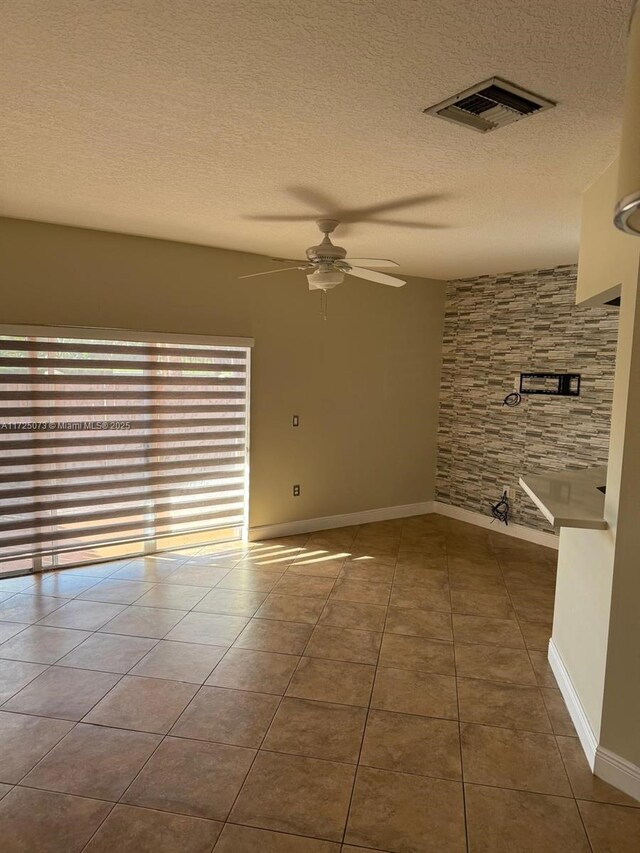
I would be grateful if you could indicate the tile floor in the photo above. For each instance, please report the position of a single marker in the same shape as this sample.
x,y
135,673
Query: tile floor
x,y
375,688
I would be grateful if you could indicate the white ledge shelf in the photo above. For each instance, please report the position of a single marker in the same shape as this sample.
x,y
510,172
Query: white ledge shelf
x,y
569,498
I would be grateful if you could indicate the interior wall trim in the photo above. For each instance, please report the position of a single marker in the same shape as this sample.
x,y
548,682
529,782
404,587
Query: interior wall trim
x,y
604,763
518,531
574,705
310,525
617,771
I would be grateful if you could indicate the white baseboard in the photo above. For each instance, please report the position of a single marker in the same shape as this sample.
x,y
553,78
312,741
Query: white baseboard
x,y
614,769
574,705
518,531
618,772
310,525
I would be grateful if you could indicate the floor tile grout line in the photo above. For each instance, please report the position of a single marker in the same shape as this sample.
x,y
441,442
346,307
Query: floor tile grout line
x,y
76,723
200,685
284,832
82,719
33,591
164,736
528,650
73,727
455,667
366,719
63,601
54,572
496,558
575,798
257,752
564,763
47,667
517,619
98,827
244,690
119,802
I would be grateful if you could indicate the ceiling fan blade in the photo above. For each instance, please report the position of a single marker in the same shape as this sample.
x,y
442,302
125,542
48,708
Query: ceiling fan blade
x,y
270,272
379,277
371,262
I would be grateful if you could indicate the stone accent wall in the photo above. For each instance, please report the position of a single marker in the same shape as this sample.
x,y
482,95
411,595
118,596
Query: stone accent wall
x,y
495,328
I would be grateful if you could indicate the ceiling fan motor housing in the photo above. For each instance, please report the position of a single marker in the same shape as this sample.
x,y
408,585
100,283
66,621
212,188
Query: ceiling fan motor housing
x,y
326,252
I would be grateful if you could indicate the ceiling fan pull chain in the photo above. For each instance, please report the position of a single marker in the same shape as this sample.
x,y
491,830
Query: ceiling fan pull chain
x,y
323,304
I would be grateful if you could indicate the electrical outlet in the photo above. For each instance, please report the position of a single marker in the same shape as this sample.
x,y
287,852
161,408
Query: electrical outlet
x,y
295,421
296,490
508,491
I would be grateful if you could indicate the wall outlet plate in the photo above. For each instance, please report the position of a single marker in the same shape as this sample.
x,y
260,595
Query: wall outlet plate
x,y
296,490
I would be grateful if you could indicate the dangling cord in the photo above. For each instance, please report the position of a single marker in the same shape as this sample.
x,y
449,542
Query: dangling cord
x,y
501,510
323,304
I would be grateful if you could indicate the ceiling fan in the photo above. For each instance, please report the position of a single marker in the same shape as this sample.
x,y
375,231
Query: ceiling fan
x,y
328,264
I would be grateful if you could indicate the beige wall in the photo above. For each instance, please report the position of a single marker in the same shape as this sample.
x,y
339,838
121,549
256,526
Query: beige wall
x,y
596,626
365,382
582,609
586,558
608,257
620,730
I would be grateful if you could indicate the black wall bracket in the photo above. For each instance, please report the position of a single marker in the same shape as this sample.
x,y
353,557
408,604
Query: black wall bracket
x,y
551,384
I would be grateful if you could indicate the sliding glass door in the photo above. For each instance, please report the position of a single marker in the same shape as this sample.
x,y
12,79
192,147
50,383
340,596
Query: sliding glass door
x,y
114,443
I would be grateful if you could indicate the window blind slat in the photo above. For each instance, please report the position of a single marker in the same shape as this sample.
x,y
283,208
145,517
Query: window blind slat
x,y
116,348
210,490
72,395
51,363
88,456
39,491
101,534
34,441
188,408
133,541
104,379
230,460
122,512
104,442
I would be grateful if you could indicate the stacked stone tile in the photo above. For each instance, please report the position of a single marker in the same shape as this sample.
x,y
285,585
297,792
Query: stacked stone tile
x,y
495,328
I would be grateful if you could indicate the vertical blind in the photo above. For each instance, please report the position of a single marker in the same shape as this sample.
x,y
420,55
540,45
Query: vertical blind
x,y
110,441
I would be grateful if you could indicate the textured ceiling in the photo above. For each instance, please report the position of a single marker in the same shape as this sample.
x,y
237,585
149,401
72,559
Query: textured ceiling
x,y
182,118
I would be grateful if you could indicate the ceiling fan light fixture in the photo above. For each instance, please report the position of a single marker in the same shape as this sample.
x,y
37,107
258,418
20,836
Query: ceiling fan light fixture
x,y
324,279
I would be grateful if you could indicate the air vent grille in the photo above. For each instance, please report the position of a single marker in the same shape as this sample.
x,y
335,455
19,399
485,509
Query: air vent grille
x,y
490,105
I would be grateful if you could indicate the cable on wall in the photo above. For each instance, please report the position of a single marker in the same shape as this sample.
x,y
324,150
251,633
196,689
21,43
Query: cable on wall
x,y
500,510
513,399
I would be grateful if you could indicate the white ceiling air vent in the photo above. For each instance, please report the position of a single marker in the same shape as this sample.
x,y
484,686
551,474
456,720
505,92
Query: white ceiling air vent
x,y
490,105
